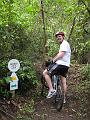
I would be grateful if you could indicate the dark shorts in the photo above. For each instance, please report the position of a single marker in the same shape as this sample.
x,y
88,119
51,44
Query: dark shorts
x,y
57,69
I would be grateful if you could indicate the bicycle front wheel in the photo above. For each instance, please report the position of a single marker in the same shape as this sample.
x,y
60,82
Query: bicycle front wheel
x,y
59,97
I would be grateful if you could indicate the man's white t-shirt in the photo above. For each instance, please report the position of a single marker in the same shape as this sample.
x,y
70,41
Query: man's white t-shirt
x,y
65,60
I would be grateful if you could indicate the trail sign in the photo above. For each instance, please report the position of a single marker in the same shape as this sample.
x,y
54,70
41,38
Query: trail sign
x,y
13,65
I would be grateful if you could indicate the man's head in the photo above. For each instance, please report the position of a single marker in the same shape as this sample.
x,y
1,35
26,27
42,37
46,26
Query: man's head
x,y
60,36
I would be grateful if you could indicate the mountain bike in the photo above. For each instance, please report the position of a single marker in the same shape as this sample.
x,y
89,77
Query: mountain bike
x,y
57,85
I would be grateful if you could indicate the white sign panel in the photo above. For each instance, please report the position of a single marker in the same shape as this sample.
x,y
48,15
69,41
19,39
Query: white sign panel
x,y
13,65
13,85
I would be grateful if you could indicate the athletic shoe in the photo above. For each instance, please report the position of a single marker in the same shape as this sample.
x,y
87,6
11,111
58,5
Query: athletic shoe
x,y
51,93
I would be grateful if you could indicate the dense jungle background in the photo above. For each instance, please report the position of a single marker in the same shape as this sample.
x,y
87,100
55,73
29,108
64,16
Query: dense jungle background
x,y
27,33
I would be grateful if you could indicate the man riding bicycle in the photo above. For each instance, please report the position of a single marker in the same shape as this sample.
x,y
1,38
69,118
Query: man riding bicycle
x,y
61,63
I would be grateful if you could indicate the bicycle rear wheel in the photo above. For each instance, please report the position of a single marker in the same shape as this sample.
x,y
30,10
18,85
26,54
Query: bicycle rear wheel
x,y
43,85
58,98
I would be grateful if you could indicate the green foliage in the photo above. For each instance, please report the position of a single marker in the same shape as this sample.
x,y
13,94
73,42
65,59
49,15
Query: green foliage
x,y
86,72
5,87
27,77
83,49
13,41
25,16
3,69
84,86
64,13
52,46
84,91
22,36
4,93
5,80
81,33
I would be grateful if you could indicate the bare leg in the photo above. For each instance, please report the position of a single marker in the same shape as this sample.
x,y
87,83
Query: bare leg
x,y
63,79
48,79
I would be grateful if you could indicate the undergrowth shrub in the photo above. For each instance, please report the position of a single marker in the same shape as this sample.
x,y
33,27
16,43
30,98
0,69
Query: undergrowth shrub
x,y
27,77
84,86
4,81
84,92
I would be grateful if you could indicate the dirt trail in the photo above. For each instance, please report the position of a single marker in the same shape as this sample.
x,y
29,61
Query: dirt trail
x,y
44,109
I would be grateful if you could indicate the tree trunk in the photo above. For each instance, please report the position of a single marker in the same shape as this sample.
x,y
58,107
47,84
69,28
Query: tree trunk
x,y
45,50
71,31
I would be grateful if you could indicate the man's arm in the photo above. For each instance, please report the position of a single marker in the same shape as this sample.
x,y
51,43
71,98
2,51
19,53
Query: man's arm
x,y
59,55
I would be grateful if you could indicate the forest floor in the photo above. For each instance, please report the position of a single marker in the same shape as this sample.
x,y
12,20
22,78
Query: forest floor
x,y
42,108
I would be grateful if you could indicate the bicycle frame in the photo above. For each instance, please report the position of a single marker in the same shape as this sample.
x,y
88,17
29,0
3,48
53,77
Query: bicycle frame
x,y
58,97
